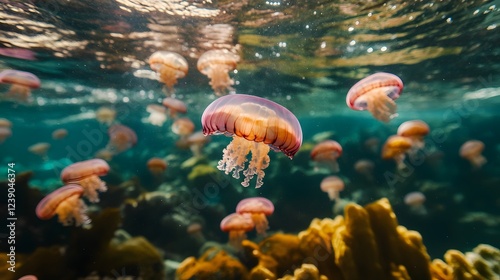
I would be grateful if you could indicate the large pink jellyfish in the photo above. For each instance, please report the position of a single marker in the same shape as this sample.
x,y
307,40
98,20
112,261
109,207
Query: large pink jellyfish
x,y
170,66
216,64
237,225
86,174
472,151
256,125
376,93
326,153
66,203
258,208
121,138
22,83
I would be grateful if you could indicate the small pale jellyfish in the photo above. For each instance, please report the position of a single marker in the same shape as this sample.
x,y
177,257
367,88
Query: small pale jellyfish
x,y
21,83
196,142
5,129
472,151
86,174
195,230
258,208
104,154
66,203
256,125
216,64
365,167
372,144
174,106
157,166
40,149
395,147
332,185
326,153
59,134
376,93
121,138
415,200
416,130
183,127
237,225
170,66
158,114
105,115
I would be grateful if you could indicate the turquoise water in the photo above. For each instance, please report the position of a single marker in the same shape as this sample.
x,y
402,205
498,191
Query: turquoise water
x,y
304,56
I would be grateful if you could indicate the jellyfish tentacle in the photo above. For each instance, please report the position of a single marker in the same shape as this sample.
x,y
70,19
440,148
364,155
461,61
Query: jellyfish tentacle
x,y
260,160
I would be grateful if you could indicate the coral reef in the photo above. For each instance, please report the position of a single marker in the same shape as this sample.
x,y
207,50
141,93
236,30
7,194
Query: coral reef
x,y
366,243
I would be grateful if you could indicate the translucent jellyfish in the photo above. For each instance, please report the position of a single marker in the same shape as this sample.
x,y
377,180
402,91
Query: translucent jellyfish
x,y
5,129
258,208
216,64
104,154
376,93
86,174
121,138
196,143
365,167
237,225
170,66
415,200
105,115
196,231
371,144
326,153
21,83
59,134
416,130
66,203
471,151
256,125
40,149
157,165
332,185
158,114
395,148
183,127
174,106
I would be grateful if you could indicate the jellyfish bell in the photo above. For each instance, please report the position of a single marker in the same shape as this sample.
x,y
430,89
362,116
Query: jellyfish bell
x,y
170,67
157,165
158,114
326,153
395,147
66,203
59,134
365,167
21,83
472,151
416,130
216,64
332,185
40,149
237,225
5,132
258,208
416,200
121,138
256,125
174,106
376,93
183,127
86,174
105,115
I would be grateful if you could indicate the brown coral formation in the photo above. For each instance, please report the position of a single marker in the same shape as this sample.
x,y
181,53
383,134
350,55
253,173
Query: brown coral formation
x,y
367,243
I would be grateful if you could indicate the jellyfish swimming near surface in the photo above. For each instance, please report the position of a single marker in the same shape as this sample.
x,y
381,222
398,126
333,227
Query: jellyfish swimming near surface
x,y
66,203
86,174
326,153
105,115
216,64
21,83
416,130
376,93
256,125
121,138
395,147
170,67
258,208
472,151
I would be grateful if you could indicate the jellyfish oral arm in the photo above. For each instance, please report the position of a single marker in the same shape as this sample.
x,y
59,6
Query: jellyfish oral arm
x,y
72,209
234,157
381,106
219,80
260,160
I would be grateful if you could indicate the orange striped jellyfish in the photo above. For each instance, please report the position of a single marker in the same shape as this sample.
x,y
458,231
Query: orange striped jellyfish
x,y
256,125
174,106
86,174
326,153
471,151
21,83
66,203
170,66
376,93
258,208
121,138
237,225
216,64
157,165
332,185
395,147
416,130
